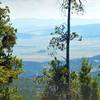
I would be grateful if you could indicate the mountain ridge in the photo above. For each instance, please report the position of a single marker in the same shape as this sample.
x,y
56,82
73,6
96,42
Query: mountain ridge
x,y
33,68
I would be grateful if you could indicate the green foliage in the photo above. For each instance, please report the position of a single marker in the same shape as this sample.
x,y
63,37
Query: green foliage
x,y
9,93
85,76
54,82
88,85
60,36
10,65
95,90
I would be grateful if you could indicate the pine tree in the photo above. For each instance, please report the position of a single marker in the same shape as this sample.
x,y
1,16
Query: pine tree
x,y
88,85
10,65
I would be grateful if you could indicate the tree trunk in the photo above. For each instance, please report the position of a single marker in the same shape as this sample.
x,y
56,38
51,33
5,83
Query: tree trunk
x,y
68,47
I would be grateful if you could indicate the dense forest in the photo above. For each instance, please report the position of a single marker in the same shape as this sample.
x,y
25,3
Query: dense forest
x,y
56,82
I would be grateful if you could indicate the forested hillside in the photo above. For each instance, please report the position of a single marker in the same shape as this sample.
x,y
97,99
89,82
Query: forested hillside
x,y
49,57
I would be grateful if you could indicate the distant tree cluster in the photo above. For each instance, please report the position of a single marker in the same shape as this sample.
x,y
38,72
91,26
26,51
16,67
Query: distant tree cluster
x,y
83,85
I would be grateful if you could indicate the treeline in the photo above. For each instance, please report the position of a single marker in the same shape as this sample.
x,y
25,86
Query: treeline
x,y
56,83
83,84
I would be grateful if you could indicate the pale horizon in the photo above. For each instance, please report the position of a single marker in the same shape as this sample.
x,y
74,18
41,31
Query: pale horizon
x,y
41,11
48,9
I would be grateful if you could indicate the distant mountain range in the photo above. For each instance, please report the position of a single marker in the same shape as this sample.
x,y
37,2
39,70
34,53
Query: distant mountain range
x,y
88,31
30,27
35,68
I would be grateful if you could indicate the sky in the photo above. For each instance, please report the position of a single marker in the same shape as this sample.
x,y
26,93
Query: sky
x,y
48,9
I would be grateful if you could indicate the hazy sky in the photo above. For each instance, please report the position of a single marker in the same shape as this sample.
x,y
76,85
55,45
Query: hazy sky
x,y
47,9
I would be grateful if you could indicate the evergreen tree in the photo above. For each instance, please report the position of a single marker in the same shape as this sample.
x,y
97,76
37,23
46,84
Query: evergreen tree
x,y
10,65
64,35
88,85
